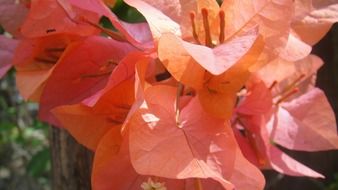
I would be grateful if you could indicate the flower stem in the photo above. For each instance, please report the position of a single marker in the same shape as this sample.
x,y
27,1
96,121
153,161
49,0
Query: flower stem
x,y
198,184
180,89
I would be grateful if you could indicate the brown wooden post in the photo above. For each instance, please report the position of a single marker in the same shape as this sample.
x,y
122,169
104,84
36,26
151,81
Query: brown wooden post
x,y
71,162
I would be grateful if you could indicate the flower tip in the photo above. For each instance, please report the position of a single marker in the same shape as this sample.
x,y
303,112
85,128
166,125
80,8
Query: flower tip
x,y
204,11
221,14
192,15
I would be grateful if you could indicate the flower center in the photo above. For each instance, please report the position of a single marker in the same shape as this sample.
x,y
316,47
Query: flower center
x,y
50,55
151,185
288,91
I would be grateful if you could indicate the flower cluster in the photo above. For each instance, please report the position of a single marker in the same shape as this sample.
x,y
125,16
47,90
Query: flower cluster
x,y
197,97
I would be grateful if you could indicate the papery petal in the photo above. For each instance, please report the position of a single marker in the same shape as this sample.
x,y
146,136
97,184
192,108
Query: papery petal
x,y
295,49
305,72
159,23
306,123
257,136
179,62
140,86
138,34
258,101
246,147
31,83
302,8
319,19
284,68
7,47
84,124
81,72
125,70
216,61
113,170
246,176
88,124
224,56
273,18
283,163
12,15
175,12
195,148
219,93
95,6
35,59
57,16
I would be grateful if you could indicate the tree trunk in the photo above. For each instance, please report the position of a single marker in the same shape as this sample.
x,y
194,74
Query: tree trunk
x,y
71,162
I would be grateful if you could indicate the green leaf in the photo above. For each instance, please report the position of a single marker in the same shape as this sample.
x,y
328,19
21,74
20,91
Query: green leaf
x,y
127,13
39,163
6,126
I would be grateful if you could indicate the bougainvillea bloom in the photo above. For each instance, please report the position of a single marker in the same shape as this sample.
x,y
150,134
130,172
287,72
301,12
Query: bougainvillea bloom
x,y
57,16
208,39
284,124
83,70
255,141
34,60
106,109
200,96
315,16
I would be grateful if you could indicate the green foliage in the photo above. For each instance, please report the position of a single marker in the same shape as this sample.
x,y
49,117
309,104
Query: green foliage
x,y
334,184
127,13
24,150
39,163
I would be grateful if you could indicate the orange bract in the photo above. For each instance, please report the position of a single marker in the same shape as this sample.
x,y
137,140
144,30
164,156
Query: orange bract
x,y
316,16
34,60
197,140
218,95
89,124
45,16
194,98
257,132
83,70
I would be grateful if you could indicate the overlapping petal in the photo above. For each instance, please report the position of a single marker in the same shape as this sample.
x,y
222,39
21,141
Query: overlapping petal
x,y
113,169
34,60
315,16
200,145
12,15
81,72
48,17
7,48
273,18
117,96
304,119
216,61
219,93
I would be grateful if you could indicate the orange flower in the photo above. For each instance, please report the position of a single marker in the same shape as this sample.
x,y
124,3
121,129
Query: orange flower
x,y
285,114
34,60
201,44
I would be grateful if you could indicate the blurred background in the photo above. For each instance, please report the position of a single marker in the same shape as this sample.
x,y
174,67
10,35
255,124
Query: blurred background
x,y
25,153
